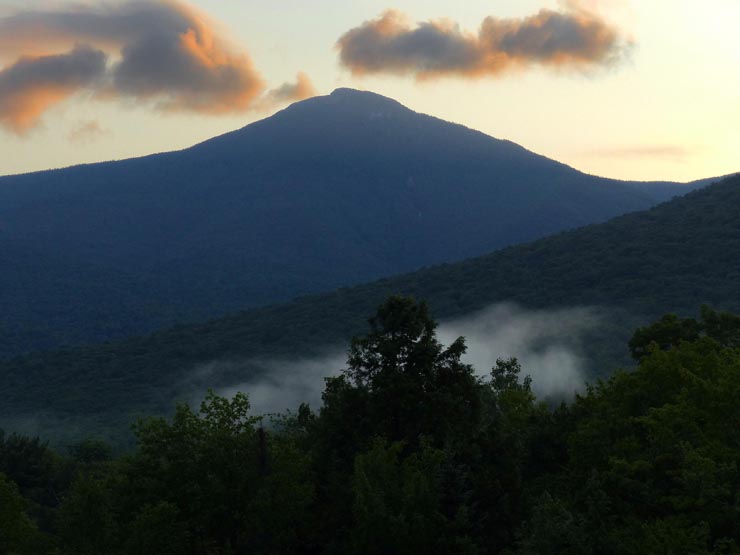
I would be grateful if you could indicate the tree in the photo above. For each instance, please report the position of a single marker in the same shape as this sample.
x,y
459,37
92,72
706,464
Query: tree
x,y
90,451
157,530
670,331
399,504
664,443
666,333
403,387
219,480
38,472
402,383
723,327
18,534
86,520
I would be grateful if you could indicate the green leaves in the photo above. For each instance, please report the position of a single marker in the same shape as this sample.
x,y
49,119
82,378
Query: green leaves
x,y
664,441
87,521
670,331
18,534
409,385
399,503
227,484
412,453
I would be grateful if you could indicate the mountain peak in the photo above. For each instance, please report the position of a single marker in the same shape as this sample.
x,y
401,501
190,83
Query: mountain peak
x,y
331,191
347,91
355,99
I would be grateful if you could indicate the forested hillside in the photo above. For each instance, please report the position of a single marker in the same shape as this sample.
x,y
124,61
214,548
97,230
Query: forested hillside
x,y
676,256
333,191
410,453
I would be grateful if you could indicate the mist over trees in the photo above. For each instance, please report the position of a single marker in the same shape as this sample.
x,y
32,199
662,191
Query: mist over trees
x,y
411,452
637,267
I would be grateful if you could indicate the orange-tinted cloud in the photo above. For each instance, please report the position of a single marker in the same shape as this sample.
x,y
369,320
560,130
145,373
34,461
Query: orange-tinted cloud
x,y
184,64
301,89
291,92
161,51
32,85
572,39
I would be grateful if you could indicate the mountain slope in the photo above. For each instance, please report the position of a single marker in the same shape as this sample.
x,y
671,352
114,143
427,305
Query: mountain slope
x,y
673,257
332,191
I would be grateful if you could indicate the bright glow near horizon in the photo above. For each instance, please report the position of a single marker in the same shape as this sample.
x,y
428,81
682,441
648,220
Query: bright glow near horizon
x,y
671,110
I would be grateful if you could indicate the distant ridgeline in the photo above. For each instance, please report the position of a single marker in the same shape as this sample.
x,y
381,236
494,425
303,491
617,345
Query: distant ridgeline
x,y
333,191
674,257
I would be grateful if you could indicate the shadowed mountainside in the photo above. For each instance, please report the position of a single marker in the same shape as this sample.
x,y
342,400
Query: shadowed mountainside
x,y
333,191
673,257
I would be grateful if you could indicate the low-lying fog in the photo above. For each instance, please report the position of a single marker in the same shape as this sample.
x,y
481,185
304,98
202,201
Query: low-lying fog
x,y
548,344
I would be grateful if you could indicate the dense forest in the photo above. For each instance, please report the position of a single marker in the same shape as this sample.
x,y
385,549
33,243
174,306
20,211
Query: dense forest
x,y
674,257
410,452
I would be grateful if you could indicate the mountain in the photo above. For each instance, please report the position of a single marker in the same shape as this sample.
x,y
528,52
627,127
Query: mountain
x,y
673,257
332,191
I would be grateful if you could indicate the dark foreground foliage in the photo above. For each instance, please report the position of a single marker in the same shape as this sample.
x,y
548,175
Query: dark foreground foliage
x,y
410,452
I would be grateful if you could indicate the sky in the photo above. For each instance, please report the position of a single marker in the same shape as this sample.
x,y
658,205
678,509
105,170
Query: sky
x,y
618,88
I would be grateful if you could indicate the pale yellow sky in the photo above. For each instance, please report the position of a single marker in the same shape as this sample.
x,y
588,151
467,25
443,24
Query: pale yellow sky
x,y
669,111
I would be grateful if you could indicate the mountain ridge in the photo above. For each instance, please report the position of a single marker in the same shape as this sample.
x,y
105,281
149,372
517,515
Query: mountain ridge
x,y
323,194
672,257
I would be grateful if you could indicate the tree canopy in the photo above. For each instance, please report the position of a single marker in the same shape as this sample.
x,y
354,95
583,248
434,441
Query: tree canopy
x,y
411,452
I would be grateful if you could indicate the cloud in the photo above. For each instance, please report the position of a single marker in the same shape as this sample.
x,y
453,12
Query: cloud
x,y
301,89
161,52
85,132
571,39
291,92
548,344
32,85
274,385
186,66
